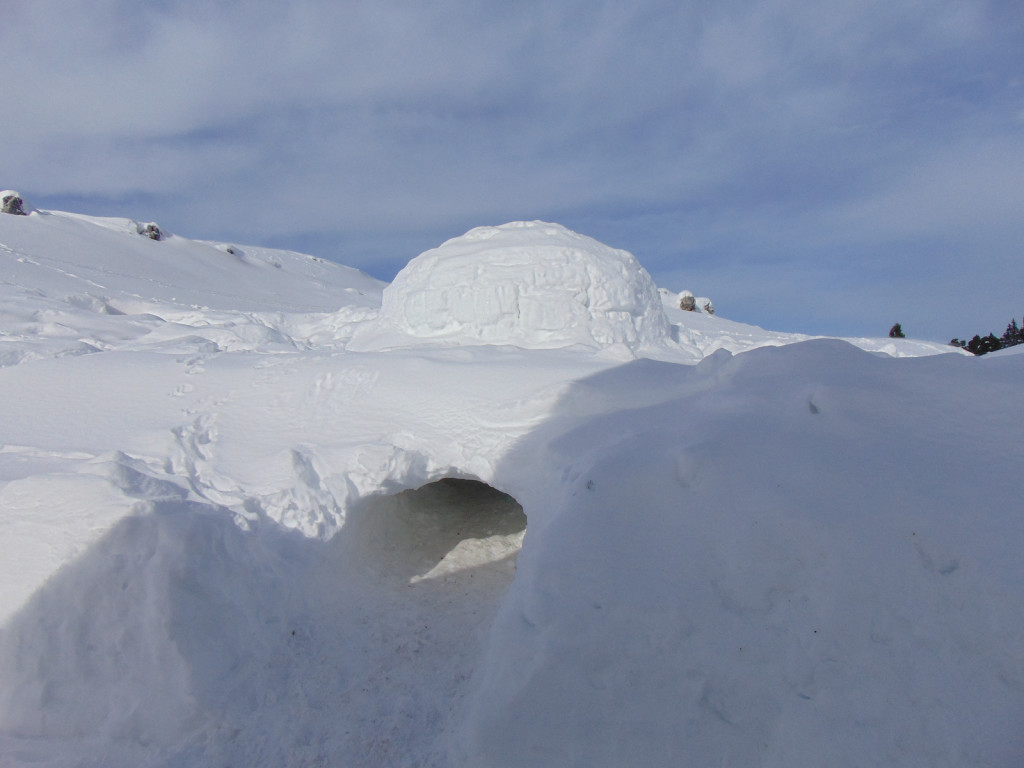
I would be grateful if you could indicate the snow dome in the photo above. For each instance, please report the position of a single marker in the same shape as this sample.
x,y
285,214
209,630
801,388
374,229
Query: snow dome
x,y
528,284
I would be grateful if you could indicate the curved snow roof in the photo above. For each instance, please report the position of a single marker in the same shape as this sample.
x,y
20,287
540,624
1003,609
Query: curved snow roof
x,y
527,283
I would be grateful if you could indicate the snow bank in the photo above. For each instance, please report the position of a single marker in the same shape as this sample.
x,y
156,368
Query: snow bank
x,y
809,556
529,284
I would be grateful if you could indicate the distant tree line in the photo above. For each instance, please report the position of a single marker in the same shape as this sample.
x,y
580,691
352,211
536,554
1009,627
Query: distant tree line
x,y
981,345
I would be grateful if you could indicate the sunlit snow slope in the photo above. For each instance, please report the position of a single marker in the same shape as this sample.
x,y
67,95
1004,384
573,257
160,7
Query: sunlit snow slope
x,y
251,516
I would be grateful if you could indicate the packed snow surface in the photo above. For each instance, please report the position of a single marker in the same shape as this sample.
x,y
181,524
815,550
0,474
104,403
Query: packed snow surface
x,y
259,509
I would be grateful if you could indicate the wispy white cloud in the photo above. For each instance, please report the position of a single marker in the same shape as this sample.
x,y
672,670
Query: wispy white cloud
x,y
725,133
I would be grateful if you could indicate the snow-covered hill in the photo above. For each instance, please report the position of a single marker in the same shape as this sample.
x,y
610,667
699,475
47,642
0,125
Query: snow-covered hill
x,y
72,284
261,509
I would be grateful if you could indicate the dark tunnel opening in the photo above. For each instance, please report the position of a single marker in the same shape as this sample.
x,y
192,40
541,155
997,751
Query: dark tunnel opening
x,y
450,531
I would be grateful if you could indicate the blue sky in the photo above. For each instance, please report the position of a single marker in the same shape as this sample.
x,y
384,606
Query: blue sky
x,y
811,165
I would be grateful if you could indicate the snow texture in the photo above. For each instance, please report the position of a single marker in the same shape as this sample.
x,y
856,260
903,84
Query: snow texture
x,y
259,509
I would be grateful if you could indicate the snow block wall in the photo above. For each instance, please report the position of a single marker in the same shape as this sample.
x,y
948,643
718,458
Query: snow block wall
x,y
528,284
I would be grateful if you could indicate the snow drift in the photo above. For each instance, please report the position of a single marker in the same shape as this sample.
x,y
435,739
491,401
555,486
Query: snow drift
x,y
803,556
254,512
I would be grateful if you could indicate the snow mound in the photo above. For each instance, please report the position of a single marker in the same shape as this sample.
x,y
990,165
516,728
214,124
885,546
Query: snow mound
x,y
530,284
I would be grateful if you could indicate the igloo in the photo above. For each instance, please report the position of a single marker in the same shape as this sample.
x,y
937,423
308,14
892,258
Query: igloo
x,y
528,284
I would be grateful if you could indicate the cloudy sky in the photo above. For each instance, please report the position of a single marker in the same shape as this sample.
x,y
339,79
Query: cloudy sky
x,y
823,166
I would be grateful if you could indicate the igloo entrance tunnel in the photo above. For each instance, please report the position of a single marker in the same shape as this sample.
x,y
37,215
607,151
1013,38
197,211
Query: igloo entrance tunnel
x,y
450,531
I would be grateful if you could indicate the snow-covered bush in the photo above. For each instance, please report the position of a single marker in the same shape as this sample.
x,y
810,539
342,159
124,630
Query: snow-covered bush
x,y
690,303
149,229
13,203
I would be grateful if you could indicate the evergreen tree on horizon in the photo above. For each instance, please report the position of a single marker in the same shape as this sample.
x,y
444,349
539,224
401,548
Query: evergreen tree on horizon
x,y
982,345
